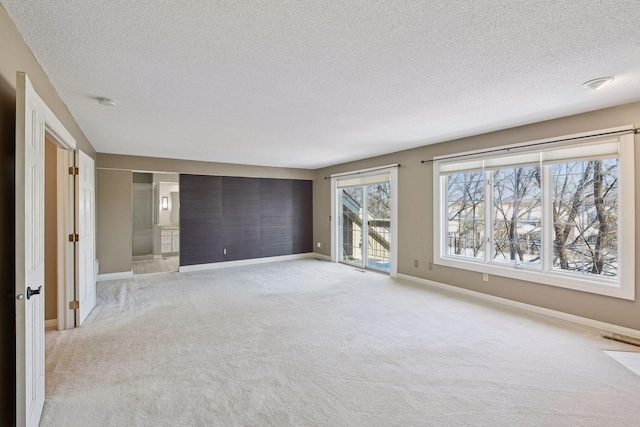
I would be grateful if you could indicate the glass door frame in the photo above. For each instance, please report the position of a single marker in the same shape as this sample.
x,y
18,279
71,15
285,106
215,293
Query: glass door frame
x,y
362,224
336,212
363,242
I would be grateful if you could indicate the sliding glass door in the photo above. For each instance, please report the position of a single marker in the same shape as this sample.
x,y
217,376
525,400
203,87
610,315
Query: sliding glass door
x,y
378,225
365,225
351,232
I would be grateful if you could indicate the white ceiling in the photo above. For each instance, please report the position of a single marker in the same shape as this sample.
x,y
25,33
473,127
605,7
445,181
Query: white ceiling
x,y
306,83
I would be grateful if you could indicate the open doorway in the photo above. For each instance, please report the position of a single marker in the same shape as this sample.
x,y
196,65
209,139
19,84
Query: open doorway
x,y
59,258
51,278
156,222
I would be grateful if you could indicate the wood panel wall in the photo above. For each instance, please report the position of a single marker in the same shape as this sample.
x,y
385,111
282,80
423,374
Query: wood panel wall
x,y
249,217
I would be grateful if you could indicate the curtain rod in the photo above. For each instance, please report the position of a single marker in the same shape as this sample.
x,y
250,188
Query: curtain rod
x,y
535,144
363,171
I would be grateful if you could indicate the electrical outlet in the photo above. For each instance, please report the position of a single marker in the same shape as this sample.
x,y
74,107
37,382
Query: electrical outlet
x,y
319,244
430,266
485,277
224,251
415,263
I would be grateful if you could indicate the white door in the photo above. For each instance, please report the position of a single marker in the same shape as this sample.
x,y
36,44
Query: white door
x,y
30,131
86,284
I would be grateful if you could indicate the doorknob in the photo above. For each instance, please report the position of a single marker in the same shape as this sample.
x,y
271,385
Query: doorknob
x,y
31,292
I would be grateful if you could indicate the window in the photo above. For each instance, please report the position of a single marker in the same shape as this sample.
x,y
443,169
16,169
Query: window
x,y
560,215
465,206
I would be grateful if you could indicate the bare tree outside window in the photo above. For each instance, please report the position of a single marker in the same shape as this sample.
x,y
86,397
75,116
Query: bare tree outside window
x,y
517,215
466,214
585,217
584,197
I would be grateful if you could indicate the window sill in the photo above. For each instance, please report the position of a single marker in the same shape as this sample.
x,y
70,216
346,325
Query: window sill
x,y
560,280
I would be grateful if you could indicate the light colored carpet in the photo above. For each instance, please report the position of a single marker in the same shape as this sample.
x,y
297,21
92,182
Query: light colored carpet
x,y
310,343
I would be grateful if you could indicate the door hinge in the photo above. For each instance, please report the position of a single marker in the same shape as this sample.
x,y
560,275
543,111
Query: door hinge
x,y
74,238
74,171
74,305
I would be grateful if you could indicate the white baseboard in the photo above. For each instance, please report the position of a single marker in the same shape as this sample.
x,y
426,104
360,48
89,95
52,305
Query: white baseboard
x,y
214,265
50,324
594,324
321,256
115,276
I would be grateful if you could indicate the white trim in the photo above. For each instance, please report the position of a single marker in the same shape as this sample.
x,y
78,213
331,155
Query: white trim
x,y
583,321
65,147
65,250
551,278
334,218
321,257
241,262
115,276
51,324
393,243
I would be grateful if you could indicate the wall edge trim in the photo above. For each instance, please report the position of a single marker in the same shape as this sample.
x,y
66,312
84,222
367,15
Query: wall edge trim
x,y
241,262
51,324
114,276
572,318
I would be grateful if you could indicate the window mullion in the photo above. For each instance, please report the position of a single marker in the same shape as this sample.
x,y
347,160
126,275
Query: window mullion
x,y
488,217
444,212
547,220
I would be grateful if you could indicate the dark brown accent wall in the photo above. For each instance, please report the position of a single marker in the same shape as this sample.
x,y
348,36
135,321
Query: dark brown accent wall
x,y
200,219
249,217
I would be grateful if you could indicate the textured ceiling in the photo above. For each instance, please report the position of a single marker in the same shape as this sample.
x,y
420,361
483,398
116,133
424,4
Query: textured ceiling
x,y
313,83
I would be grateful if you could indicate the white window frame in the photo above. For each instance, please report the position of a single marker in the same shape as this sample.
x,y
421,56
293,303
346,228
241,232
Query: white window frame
x,y
621,287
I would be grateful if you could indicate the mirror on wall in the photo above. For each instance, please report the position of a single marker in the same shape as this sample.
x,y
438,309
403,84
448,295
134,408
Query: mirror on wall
x,y
174,201
168,203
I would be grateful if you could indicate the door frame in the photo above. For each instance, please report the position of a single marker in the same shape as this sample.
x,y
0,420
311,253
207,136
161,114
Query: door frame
x,y
336,215
86,165
65,206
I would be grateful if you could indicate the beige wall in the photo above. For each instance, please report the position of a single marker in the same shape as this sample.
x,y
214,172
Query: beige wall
x,y
16,56
51,231
415,226
114,220
157,164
